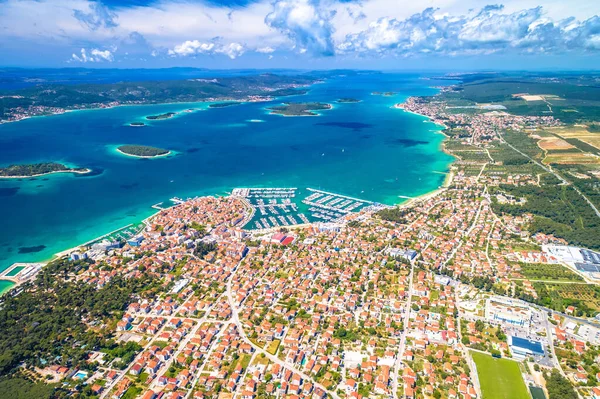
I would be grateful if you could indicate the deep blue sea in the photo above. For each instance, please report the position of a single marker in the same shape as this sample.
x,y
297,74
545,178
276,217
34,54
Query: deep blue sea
x,y
367,150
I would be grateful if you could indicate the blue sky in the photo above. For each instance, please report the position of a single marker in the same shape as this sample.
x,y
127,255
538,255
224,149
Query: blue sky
x,y
311,34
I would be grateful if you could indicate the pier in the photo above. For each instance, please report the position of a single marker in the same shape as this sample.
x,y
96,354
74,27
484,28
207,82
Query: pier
x,y
329,206
338,195
259,192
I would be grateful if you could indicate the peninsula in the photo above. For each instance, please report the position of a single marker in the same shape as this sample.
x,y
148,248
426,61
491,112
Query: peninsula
x,y
142,151
37,169
299,109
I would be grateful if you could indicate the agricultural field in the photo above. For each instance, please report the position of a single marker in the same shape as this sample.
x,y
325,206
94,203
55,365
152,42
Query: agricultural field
x,y
524,143
499,378
578,132
554,143
572,158
478,155
540,271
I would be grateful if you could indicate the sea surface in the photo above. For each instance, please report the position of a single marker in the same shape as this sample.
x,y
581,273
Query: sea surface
x,y
367,150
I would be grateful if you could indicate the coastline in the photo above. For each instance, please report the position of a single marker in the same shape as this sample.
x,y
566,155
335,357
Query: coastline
x,y
431,194
81,172
400,106
449,175
7,285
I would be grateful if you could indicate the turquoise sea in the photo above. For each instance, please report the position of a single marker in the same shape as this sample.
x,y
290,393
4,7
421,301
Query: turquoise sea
x,y
367,150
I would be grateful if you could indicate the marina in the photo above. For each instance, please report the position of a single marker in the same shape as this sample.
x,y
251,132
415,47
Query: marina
x,y
282,206
326,206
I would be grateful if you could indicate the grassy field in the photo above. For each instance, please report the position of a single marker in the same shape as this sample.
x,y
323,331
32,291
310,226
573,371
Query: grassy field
x,y
272,347
499,378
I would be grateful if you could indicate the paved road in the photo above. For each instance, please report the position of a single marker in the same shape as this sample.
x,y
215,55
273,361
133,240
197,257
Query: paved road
x,y
110,386
402,345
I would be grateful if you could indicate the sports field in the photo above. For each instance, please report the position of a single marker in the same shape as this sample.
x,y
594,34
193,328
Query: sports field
x,y
499,378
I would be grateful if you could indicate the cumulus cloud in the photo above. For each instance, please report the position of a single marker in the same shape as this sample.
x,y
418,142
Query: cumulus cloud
x,y
197,47
192,47
486,31
95,55
231,50
306,22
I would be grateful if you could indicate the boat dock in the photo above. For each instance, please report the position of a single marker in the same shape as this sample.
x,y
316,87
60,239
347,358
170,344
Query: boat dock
x,y
257,192
330,206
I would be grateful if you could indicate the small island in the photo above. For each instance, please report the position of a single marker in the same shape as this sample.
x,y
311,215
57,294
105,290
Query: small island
x,y
161,116
142,151
348,100
299,109
224,104
384,93
137,124
37,169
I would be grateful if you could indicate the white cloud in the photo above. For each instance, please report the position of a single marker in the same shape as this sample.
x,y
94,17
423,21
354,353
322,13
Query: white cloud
x,y
192,47
265,50
308,27
96,16
489,30
232,50
102,55
95,55
306,22
196,47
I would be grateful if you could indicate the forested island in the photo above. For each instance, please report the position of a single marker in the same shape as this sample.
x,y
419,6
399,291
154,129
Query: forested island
x,y
166,115
384,93
224,104
348,100
142,151
299,109
37,169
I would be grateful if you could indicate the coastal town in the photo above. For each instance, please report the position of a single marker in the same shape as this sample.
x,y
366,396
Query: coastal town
x,y
397,303
448,295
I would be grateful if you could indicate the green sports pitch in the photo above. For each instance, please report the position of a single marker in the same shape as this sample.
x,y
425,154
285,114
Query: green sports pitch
x,y
499,378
